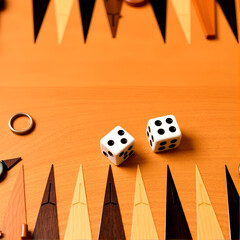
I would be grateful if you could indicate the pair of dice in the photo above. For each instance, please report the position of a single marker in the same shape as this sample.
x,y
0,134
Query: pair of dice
x,y
163,134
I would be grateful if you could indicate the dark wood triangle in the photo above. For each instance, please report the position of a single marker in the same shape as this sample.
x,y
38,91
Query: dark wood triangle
x,y
111,226
39,10
9,163
176,223
229,10
160,11
113,9
233,207
46,226
86,9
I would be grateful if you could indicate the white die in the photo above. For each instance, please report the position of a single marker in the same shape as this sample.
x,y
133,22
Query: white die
x,y
117,145
163,133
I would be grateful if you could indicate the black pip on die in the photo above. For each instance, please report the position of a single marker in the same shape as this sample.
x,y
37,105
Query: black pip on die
x,y
117,145
163,133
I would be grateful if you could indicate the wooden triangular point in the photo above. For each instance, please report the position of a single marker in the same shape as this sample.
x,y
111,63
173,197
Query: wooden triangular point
x,y
111,226
86,8
233,206
46,226
205,10
206,217
143,226
78,226
113,9
183,12
176,223
62,11
15,214
160,11
39,10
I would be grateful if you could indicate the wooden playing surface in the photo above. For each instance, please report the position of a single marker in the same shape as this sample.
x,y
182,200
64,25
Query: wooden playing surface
x,y
78,92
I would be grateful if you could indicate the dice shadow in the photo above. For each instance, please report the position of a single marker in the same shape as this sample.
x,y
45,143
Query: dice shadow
x,y
133,161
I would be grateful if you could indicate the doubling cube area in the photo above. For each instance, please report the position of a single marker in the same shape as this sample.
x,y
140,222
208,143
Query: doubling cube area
x,y
163,133
118,145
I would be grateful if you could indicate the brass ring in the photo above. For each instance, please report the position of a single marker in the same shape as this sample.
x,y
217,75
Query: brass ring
x,y
21,132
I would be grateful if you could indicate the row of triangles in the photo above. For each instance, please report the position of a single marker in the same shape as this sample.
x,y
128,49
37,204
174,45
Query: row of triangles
x,y
111,227
205,10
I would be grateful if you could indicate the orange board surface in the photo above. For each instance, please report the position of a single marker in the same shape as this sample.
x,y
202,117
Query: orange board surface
x,y
78,92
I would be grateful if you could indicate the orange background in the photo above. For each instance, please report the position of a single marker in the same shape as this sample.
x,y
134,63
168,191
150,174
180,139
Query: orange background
x,y
78,92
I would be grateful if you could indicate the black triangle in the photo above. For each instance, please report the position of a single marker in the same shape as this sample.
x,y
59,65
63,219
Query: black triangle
x,y
176,223
111,223
39,10
46,226
86,9
9,163
160,11
229,10
233,206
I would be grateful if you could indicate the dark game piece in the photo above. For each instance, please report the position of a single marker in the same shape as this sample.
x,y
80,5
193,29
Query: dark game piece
x,y
39,10
46,226
160,9
86,9
111,226
176,224
113,8
233,207
229,10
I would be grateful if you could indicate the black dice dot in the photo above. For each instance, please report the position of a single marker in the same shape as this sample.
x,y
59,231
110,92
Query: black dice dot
x,y
105,154
125,156
131,153
121,154
147,133
172,129
161,131
163,143
174,140
110,142
110,153
151,142
172,146
149,129
121,132
123,140
161,148
152,138
130,148
169,120
125,153
158,123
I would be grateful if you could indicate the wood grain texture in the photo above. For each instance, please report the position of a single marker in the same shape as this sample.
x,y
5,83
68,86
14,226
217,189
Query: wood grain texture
x,y
143,226
111,226
176,226
205,10
15,214
207,223
233,207
46,226
9,163
62,10
78,226
183,11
